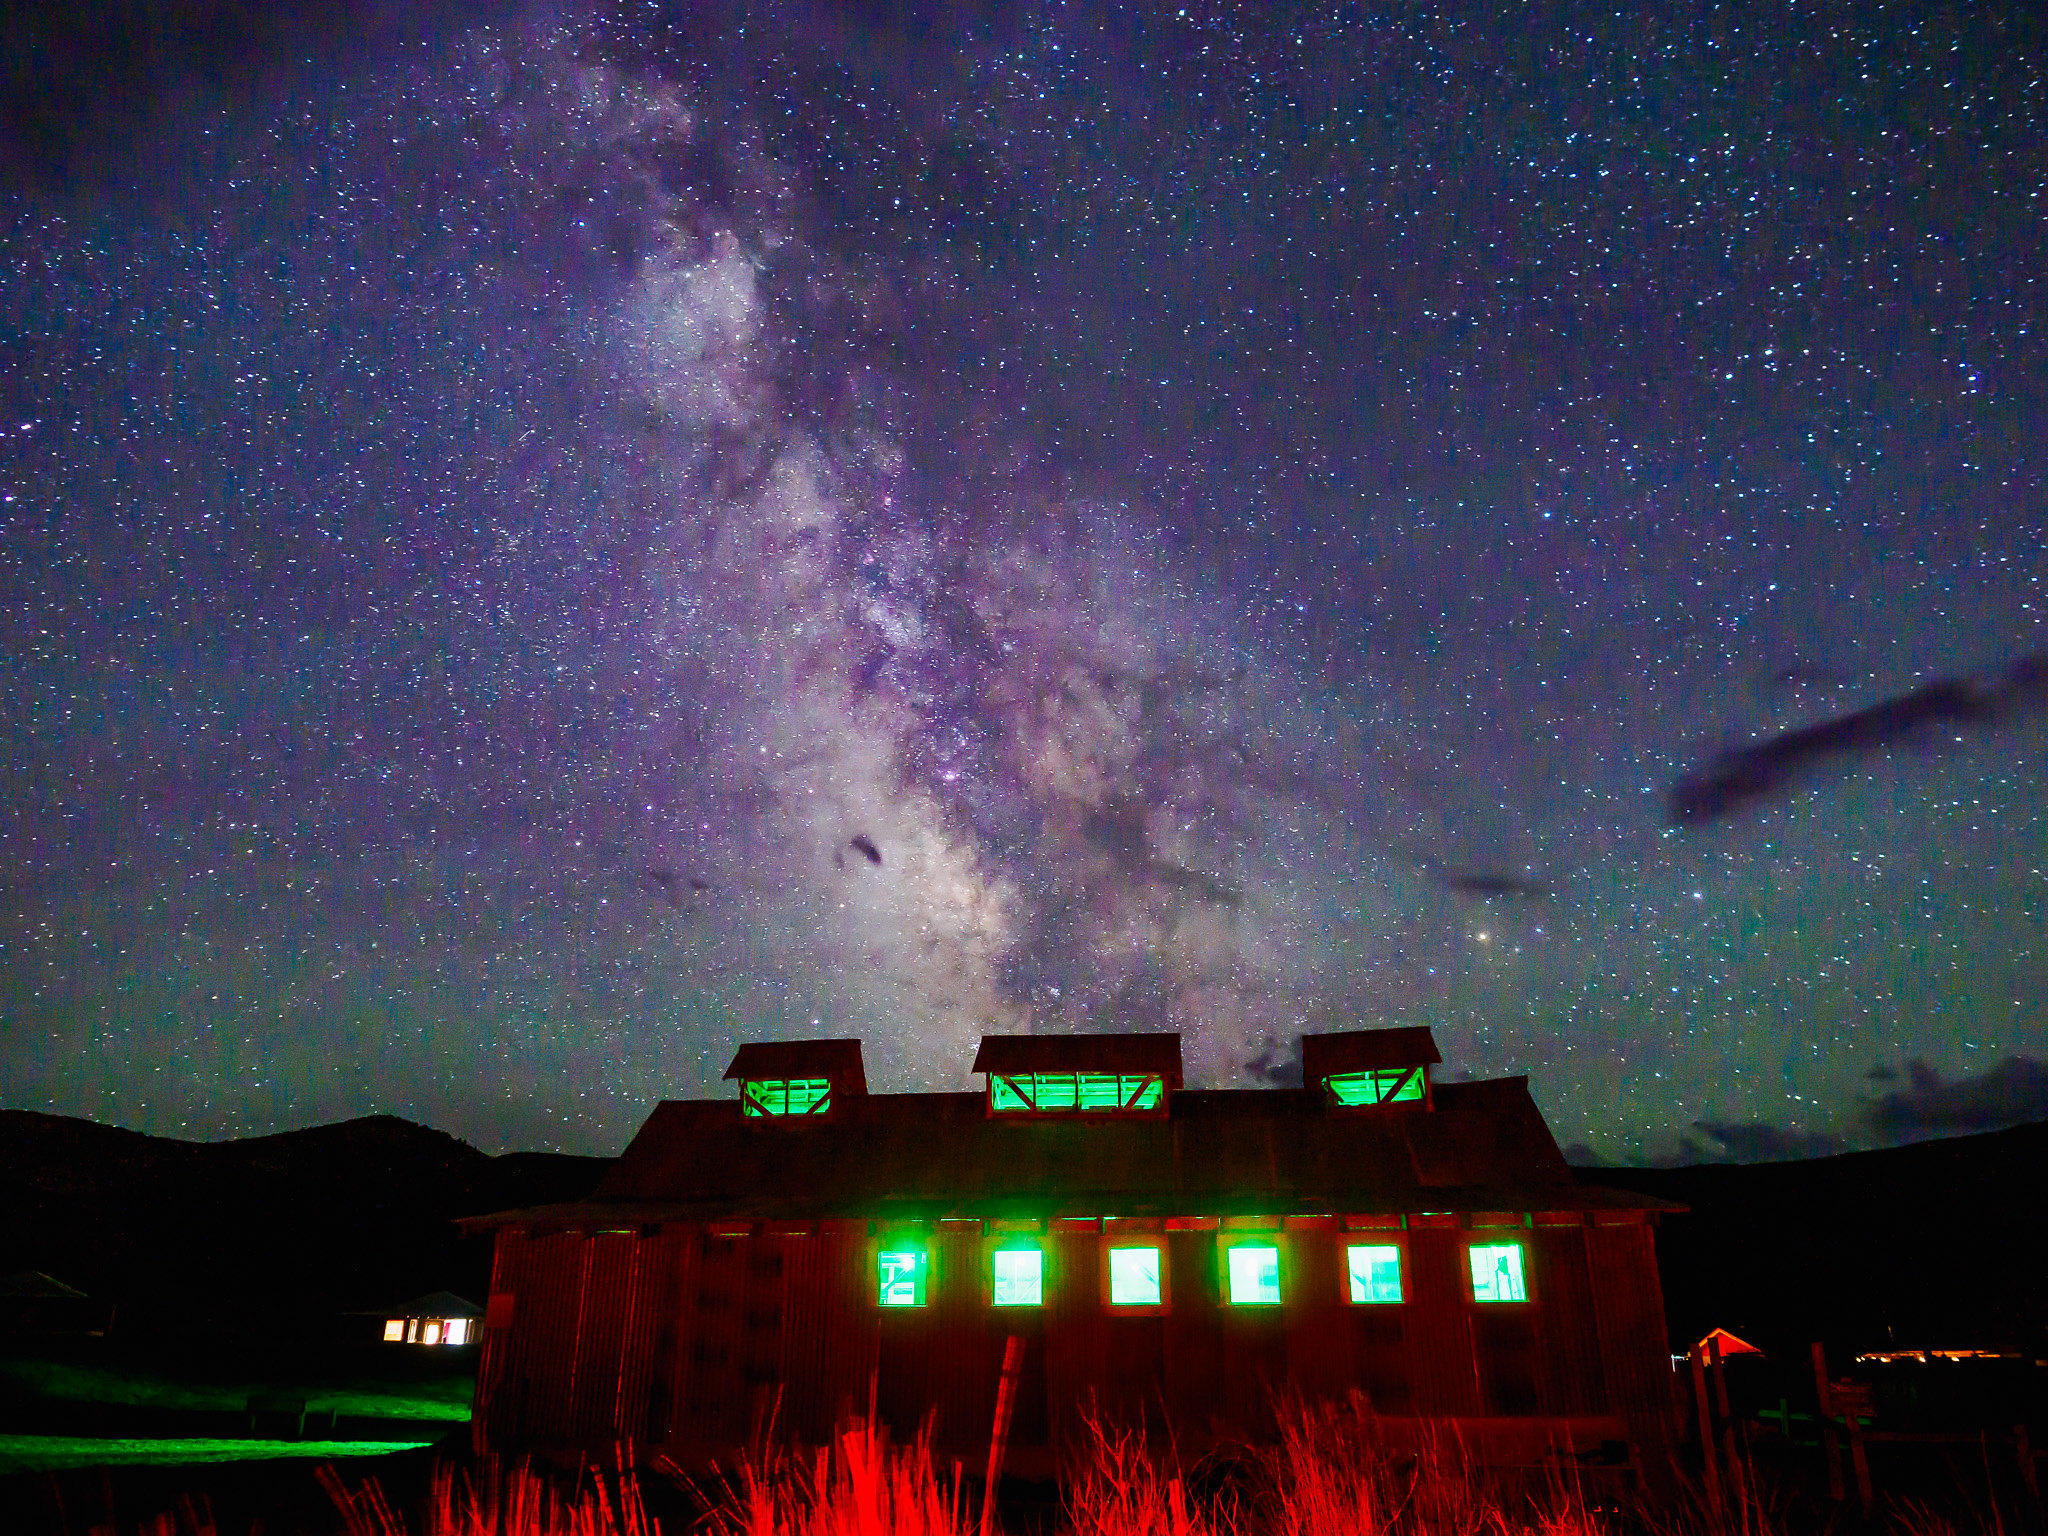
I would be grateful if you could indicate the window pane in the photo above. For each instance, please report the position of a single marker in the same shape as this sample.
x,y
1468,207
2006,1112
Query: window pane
x,y
1254,1276
1497,1273
1134,1277
455,1331
1353,1088
1101,1091
1375,1272
1143,1092
809,1096
902,1277
1401,1084
394,1330
1020,1277
762,1098
1003,1093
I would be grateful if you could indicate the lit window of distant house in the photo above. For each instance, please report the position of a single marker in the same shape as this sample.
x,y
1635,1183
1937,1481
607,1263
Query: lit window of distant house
x,y
1134,1277
394,1330
1086,1093
1019,1277
785,1096
455,1331
1497,1272
431,1334
902,1275
1375,1272
1393,1085
1252,1274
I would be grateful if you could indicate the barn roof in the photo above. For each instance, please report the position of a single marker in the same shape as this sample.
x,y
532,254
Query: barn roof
x,y
1366,1050
1012,1054
1215,1152
835,1061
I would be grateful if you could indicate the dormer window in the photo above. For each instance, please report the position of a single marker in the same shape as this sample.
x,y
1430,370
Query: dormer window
x,y
1390,1085
1044,1076
1046,1093
785,1096
797,1079
1365,1068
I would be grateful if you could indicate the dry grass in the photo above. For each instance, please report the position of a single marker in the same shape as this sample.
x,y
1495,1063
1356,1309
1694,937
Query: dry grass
x,y
1332,1472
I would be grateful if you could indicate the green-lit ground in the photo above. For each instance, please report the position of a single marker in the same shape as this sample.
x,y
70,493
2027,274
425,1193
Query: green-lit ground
x,y
59,1453
440,1397
98,1402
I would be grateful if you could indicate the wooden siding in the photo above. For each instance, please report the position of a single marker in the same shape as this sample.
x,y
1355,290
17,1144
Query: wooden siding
x,y
690,1337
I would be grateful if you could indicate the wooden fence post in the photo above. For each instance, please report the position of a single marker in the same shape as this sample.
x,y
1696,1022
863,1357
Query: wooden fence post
x,y
999,1433
1830,1446
1710,1456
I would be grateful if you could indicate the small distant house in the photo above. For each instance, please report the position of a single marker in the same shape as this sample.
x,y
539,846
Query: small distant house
x,y
1170,1258
439,1318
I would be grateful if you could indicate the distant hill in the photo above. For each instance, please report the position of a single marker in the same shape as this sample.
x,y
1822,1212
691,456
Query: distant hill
x,y
263,1231
1939,1243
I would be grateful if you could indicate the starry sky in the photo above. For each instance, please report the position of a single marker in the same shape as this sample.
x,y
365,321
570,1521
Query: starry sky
x,y
538,543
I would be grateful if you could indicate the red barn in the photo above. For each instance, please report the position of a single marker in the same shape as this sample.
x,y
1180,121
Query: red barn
x,y
1169,1257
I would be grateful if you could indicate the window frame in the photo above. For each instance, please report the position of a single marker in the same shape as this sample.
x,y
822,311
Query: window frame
x,y
920,1242
1282,1269
1370,1239
1156,1241
821,1107
1476,1243
1016,1242
1027,1107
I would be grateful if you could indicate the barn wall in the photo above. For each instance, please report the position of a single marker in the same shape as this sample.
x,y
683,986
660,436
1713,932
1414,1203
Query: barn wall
x,y
699,1338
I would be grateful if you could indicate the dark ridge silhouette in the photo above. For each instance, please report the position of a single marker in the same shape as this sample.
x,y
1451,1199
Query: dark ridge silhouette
x,y
1738,778
278,1232
1919,1245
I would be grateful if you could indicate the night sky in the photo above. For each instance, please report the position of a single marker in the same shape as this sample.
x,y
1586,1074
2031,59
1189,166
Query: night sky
x,y
538,545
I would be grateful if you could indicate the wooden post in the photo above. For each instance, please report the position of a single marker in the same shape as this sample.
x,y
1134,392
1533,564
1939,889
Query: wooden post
x,y
2023,1448
1738,1491
1710,1457
1830,1446
1857,1458
999,1433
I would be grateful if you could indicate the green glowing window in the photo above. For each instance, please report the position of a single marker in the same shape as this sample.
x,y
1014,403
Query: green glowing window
x,y
1045,1093
1134,1277
1393,1085
1497,1272
903,1273
1375,1270
1020,1277
785,1096
1253,1271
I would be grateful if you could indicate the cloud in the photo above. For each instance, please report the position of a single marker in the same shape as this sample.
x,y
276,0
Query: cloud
x,y
2012,1091
1771,768
1757,1142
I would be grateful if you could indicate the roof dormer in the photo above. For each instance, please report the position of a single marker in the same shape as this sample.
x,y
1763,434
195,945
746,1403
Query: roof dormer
x,y
797,1079
1364,1068
1037,1076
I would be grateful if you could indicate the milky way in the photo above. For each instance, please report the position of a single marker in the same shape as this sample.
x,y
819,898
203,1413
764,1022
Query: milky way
x,y
542,546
